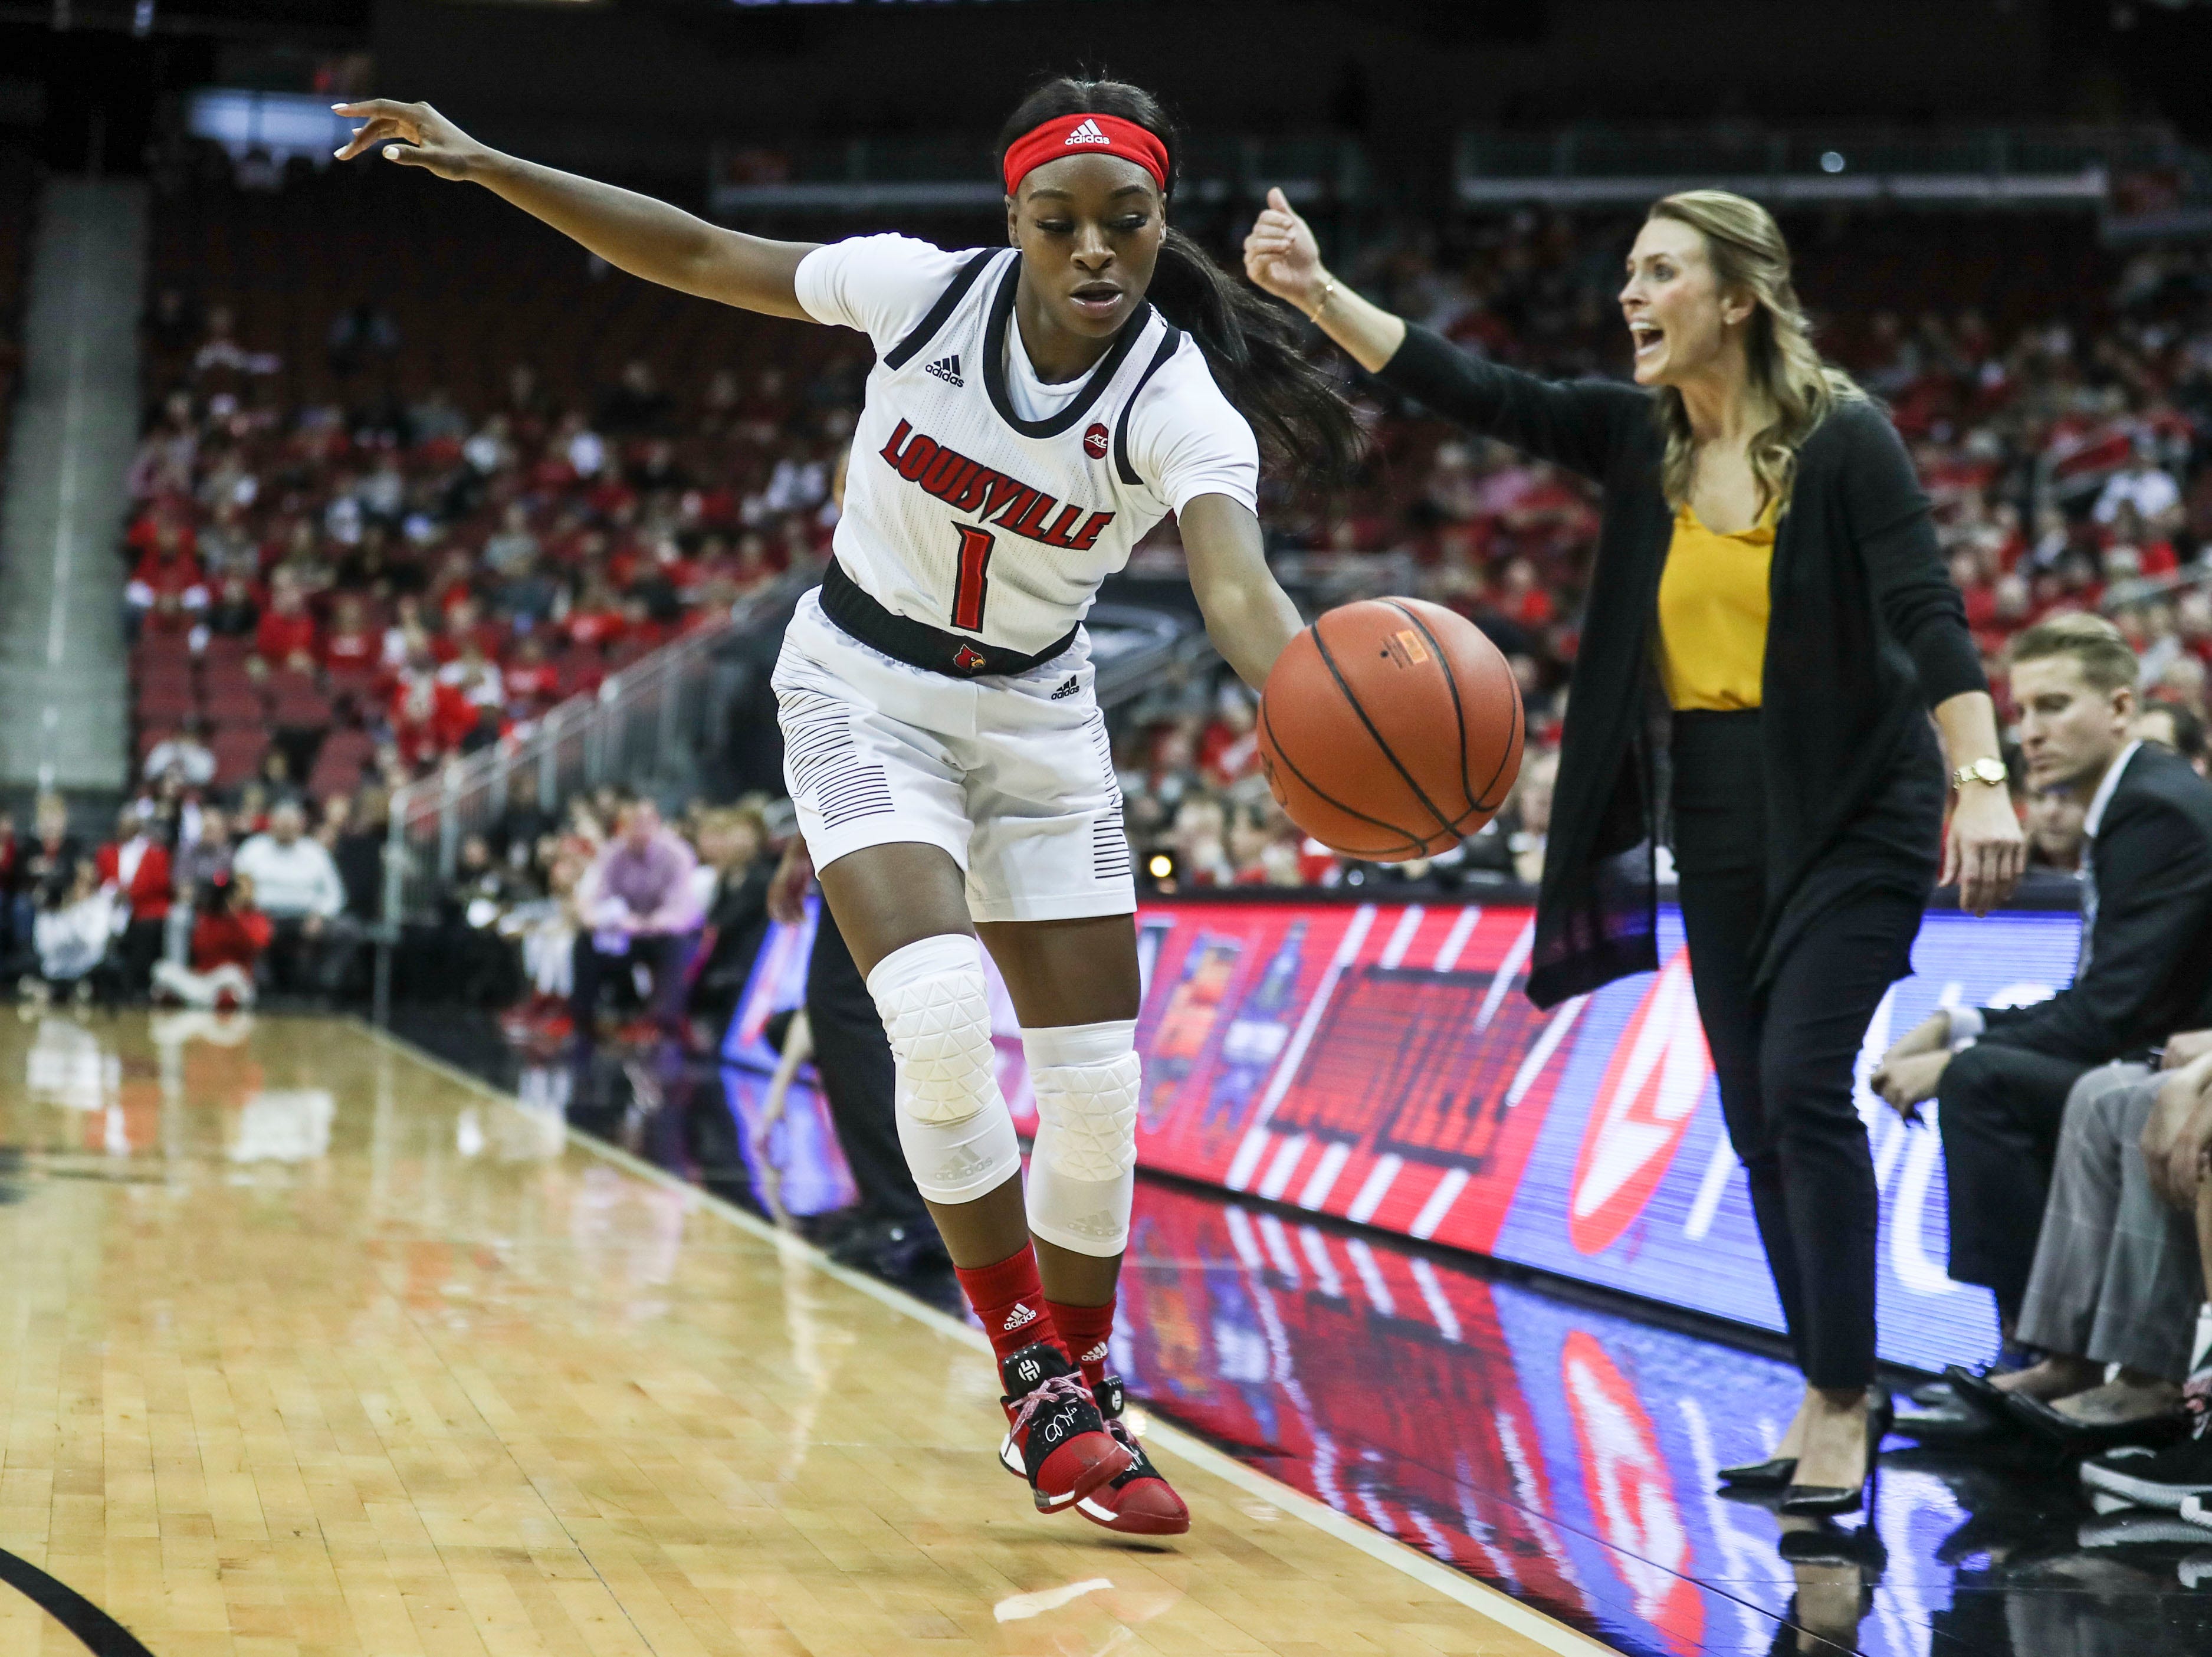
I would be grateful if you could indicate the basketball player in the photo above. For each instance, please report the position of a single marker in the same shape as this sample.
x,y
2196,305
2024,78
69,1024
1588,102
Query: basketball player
x,y
1033,411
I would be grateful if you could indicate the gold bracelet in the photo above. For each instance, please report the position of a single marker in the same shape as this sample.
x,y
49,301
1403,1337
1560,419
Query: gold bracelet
x,y
1327,294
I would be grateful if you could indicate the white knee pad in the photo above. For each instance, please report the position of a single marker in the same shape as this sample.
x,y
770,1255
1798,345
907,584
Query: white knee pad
x,y
1083,1171
952,1119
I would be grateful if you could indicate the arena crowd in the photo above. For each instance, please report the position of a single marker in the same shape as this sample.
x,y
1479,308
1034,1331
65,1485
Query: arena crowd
x,y
331,595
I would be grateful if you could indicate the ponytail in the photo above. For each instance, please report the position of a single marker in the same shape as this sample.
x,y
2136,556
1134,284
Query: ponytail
x,y
1252,344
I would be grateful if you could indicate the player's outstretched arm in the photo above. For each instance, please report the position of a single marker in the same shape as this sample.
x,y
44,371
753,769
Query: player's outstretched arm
x,y
1248,614
633,233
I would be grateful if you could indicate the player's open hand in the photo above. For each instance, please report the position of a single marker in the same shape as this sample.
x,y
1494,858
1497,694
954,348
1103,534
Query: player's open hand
x,y
1282,256
413,135
1986,853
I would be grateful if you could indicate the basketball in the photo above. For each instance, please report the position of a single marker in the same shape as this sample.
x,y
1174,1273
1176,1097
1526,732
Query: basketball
x,y
1390,729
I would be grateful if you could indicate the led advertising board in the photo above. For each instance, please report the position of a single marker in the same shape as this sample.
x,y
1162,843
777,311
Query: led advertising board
x,y
1382,1063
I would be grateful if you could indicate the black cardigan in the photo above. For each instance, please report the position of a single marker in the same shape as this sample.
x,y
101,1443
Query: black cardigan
x,y
1865,631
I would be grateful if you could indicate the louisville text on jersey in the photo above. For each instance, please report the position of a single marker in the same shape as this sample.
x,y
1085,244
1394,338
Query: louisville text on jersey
x,y
967,486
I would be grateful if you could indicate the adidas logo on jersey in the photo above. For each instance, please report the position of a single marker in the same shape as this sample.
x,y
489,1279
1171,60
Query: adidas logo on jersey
x,y
1020,1317
1069,689
947,368
1088,133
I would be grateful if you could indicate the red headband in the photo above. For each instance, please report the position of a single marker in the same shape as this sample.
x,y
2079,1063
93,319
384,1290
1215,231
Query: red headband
x,y
1085,135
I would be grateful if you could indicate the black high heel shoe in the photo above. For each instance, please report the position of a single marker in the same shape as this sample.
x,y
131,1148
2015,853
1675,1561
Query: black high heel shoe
x,y
1772,1474
1826,1546
1775,1472
1828,1501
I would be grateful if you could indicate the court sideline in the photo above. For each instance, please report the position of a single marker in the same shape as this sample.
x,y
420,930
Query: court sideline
x,y
315,1346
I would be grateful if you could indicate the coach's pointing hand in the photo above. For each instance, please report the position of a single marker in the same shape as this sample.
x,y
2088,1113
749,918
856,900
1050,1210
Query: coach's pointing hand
x,y
413,135
1281,255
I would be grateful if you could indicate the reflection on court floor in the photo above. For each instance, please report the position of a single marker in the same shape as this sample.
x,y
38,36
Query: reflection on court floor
x,y
312,1348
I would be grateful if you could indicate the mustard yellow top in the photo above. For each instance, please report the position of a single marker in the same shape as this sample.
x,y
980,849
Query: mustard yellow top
x,y
1712,614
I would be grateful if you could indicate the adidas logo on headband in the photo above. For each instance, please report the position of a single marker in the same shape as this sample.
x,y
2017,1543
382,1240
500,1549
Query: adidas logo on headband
x,y
1088,133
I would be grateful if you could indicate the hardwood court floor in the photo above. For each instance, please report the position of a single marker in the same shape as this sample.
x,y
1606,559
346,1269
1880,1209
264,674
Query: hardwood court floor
x,y
308,1347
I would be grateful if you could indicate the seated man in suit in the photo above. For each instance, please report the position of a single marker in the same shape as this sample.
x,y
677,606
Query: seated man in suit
x,y
2145,968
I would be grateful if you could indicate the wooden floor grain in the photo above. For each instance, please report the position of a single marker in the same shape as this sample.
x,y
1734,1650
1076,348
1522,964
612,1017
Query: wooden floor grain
x,y
307,1348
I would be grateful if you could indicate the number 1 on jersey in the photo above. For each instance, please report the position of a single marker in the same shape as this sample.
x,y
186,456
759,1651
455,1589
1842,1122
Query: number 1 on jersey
x,y
969,585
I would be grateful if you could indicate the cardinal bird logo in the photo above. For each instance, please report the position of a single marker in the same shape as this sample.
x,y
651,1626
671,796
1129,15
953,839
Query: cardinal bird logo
x,y
967,659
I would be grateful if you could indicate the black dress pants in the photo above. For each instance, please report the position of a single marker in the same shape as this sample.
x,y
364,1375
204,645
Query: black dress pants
x,y
853,1057
2000,1109
1785,1054
664,956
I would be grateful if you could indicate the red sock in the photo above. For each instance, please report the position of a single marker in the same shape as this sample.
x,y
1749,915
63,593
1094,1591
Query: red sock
x,y
1011,1302
1084,1330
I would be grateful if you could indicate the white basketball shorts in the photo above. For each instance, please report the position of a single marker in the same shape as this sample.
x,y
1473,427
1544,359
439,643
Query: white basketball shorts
x,y
1011,774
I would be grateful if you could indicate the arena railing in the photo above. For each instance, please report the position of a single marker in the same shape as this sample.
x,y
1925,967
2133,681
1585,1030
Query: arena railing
x,y
650,725
649,720
1986,166
875,174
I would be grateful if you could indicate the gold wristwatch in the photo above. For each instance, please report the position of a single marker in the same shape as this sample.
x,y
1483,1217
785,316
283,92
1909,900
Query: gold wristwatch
x,y
1991,771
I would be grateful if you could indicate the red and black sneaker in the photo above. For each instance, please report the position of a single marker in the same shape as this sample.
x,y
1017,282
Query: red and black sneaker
x,y
1139,1502
1054,1437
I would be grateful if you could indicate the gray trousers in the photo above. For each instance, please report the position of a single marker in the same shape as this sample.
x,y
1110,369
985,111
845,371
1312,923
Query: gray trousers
x,y
2116,1277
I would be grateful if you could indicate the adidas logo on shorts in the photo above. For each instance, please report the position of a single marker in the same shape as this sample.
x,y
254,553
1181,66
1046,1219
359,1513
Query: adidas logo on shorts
x,y
1100,1224
1069,689
1019,1317
947,368
1088,133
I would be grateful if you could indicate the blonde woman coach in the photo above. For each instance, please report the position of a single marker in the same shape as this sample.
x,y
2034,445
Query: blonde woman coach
x,y
1768,610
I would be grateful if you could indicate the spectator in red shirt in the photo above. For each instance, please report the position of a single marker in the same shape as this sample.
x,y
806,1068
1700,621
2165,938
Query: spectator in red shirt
x,y
532,683
595,621
352,646
285,637
430,720
1980,595
1522,596
135,866
167,586
1228,747
228,941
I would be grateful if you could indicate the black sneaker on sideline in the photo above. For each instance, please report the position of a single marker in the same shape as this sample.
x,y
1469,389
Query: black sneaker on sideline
x,y
2153,1477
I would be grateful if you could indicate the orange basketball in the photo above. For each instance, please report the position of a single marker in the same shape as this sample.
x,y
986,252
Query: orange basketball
x,y
1390,729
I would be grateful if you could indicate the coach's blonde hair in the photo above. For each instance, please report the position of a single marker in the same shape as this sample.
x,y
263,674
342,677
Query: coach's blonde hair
x,y
1744,246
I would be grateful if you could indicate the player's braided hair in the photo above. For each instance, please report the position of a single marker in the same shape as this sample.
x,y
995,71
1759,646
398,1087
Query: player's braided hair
x,y
1250,342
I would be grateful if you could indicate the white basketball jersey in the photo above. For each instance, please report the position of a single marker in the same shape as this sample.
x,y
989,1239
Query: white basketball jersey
x,y
960,511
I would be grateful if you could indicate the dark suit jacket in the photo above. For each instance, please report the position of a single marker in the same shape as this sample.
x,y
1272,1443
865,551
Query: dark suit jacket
x,y
2147,883
1865,633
